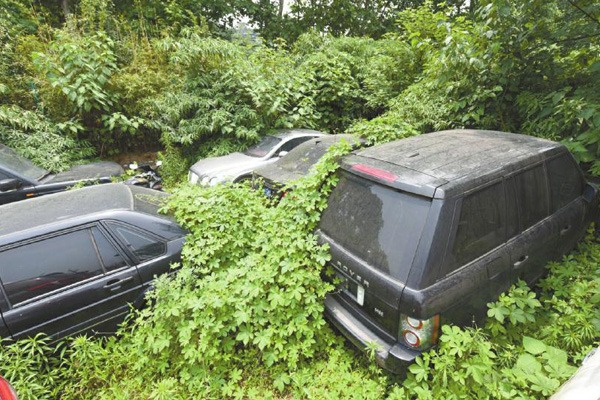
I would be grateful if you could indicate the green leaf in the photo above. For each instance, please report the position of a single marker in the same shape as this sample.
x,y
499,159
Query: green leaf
x,y
533,346
543,384
528,364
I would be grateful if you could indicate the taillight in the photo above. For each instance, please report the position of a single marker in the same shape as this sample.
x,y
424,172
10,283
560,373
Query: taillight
x,y
420,334
375,172
6,391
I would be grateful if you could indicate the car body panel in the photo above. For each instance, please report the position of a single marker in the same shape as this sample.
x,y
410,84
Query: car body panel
x,y
30,186
238,165
104,275
584,384
300,160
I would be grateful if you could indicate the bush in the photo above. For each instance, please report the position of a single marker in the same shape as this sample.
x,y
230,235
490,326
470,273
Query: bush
x,y
49,145
528,346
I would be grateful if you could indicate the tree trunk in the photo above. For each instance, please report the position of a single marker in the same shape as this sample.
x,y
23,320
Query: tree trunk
x,y
65,7
281,5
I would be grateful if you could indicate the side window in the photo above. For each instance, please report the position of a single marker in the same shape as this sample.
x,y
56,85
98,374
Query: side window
x,y
566,183
47,265
110,256
293,143
532,197
4,175
481,223
142,245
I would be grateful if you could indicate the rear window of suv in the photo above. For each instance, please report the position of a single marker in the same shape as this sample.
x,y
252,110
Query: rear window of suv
x,y
381,225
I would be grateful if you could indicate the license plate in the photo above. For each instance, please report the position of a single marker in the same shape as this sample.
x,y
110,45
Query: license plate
x,y
355,290
360,294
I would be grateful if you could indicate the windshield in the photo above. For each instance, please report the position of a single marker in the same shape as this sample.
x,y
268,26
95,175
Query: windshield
x,y
263,147
304,156
379,224
22,166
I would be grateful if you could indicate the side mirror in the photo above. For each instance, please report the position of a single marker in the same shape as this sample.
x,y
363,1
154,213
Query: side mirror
x,y
9,184
282,153
590,192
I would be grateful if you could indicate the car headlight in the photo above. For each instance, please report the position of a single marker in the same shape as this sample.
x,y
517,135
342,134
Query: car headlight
x,y
205,181
193,178
214,181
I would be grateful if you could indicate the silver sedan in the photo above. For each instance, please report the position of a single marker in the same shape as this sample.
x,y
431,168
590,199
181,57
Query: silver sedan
x,y
237,166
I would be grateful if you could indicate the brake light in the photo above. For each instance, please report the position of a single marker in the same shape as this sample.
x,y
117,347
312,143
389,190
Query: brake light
x,y
375,172
6,391
420,334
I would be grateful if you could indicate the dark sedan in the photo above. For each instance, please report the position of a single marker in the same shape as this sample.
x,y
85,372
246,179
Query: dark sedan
x,y
73,262
21,179
297,163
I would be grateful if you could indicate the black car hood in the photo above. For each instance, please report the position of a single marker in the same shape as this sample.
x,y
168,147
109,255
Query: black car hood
x,y
278,175
93,170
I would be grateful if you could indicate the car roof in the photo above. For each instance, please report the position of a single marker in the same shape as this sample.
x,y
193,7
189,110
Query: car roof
x,y
443,163
298,161
37,212
291,133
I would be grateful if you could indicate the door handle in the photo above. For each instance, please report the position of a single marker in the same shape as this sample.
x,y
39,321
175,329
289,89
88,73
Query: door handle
x,y
520,261
115,284
565,230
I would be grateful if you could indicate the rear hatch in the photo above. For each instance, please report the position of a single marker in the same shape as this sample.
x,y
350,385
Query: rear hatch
x,y
373,231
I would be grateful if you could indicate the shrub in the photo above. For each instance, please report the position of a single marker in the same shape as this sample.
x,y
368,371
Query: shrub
x,y
49,145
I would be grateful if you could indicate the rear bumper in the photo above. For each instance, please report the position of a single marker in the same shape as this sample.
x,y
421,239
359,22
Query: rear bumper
x,y
391,356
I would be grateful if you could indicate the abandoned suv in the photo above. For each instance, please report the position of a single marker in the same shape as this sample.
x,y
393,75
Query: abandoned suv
x,y
73,262
428,230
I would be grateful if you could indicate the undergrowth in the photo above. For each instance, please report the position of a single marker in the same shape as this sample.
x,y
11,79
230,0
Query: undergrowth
x,y
243,319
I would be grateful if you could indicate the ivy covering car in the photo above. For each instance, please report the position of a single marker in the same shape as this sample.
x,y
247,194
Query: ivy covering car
x,y
237,166
21,179
297,163
74,262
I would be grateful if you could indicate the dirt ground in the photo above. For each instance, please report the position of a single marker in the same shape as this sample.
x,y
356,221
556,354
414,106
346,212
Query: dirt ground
x,y
139,157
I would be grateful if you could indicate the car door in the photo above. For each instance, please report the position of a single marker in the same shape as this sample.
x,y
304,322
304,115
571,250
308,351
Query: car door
x,y
66,283
4,332
480,254
533,243
566,201
147,249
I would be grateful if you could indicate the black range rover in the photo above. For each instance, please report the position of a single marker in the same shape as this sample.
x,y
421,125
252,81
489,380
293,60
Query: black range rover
x,y
428,230
73,262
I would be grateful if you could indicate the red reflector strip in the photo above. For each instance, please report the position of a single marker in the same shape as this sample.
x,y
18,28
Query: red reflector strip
x,y
29,195
375,172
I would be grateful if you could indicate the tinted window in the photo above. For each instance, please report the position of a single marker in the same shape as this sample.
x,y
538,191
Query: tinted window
x,y
261,149
20,165
565,181
111,258
47,265
481,223
532,198
143,246
291,144
146,201
512,210
376,223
